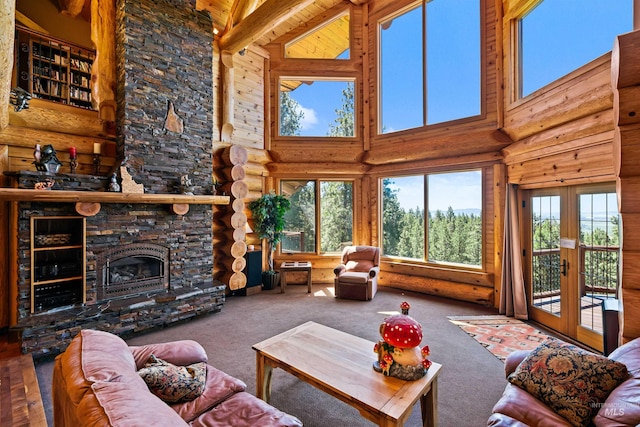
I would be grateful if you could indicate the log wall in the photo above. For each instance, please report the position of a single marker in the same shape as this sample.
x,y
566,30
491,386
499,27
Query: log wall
x,y
625,75
240,175
571,132
560,135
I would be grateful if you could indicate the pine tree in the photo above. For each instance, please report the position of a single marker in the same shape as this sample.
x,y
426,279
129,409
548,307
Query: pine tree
x,y
291,115
343,124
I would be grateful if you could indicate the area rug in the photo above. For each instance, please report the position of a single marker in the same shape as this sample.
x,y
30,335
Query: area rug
x,y
500,335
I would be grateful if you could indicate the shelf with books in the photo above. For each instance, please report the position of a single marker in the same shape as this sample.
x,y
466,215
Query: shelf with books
x,y
54,70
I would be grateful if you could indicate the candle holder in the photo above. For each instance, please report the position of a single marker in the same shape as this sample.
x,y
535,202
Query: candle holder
x,y
96,164
73,159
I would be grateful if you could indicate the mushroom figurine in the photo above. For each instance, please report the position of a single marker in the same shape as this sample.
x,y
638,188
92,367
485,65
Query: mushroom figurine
x,y
399,352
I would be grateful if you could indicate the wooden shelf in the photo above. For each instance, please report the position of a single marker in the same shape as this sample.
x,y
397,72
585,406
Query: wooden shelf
x,y
64,196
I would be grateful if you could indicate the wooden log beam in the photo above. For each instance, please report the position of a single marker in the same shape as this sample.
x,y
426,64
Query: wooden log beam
x,y
626,150
65,196
228,102
625,60
89,208
235,155
53,117
445,288
239,10
29,23
270,14
7,30
103,71
71,8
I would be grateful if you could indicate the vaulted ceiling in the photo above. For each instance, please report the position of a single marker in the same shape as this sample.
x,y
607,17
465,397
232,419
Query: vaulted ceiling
x,y
241,22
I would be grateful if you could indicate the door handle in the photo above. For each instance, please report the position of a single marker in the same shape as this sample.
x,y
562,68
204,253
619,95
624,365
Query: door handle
x,y
563,267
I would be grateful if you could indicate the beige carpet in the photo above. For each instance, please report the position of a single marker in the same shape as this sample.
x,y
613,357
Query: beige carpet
x,y
500,335
470,383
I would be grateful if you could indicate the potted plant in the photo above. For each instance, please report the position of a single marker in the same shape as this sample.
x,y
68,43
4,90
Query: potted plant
x,y
268,216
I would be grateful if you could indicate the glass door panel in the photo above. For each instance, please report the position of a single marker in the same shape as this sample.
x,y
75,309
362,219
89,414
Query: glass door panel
x,y
573,266
599,260
545,259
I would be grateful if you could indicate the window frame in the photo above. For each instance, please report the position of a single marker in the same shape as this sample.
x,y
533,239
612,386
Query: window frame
x,y
328,78
425,107
318,210
515,11
480,268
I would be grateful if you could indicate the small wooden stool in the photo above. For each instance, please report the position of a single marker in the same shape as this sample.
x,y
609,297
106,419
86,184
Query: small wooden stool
x,y
294,266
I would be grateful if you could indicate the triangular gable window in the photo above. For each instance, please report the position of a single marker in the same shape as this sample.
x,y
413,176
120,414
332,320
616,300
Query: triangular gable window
x,y
327,41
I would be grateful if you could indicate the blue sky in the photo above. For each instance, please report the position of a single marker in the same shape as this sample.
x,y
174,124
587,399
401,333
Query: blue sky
x,y
458,190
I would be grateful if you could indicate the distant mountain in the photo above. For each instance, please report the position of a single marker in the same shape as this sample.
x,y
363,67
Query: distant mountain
x,y
476,212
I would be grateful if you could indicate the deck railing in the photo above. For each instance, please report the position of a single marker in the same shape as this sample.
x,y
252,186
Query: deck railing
x,y
599,271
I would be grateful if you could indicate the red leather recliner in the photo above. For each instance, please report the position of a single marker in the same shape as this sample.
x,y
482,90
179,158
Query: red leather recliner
x,y
357,275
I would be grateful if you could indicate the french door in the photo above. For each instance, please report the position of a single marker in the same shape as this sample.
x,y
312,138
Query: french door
x,y
572,258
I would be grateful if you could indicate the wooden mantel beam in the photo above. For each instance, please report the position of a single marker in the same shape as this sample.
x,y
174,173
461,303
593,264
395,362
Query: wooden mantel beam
x,y
269,14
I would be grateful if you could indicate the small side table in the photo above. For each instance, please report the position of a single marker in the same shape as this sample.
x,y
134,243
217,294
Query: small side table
x,y
294,266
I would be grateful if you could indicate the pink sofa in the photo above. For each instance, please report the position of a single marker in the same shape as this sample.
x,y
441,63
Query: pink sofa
x,y
517,408
96,383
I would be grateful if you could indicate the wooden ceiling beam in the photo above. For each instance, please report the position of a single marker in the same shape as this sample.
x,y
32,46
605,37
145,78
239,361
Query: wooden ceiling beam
x,y
71,8
270,14
239,10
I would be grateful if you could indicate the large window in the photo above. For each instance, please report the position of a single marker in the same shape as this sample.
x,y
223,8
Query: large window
x,y
559,36
317,107
452,214
430,64
333,213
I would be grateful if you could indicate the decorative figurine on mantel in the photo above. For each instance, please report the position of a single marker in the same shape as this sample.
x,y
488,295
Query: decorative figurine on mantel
x,y
46,159
214,186
44,185
399,354
114,187
186,185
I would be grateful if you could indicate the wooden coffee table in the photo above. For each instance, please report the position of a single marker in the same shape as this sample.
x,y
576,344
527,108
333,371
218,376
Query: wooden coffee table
x,y
341,365
20,401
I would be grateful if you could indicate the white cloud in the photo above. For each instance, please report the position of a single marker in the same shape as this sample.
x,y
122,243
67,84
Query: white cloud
x,y
309,120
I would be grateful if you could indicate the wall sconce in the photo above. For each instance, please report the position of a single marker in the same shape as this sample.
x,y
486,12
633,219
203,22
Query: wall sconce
x,y
19,99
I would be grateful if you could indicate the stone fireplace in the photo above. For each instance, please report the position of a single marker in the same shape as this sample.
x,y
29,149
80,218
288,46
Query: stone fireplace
x,y
145,266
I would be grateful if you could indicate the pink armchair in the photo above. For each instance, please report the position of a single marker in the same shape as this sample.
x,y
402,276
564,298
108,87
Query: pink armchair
x,y
357,275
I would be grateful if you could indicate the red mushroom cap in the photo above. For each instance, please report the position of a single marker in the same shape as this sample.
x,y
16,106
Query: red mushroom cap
x,y
401,331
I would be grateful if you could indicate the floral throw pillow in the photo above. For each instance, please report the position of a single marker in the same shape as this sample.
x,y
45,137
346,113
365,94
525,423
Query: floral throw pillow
x,y
173,383
568,379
